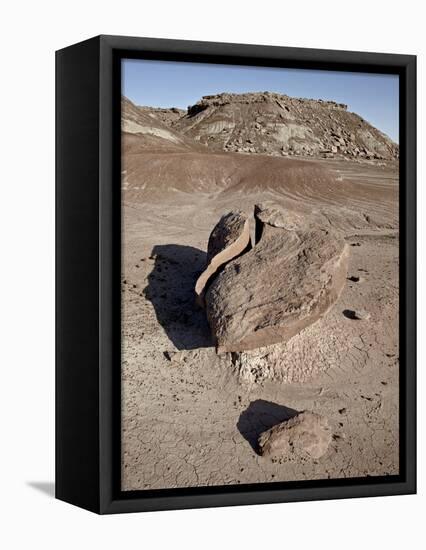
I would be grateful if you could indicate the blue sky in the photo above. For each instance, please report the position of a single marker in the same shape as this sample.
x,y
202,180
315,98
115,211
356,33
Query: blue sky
x,y
177,84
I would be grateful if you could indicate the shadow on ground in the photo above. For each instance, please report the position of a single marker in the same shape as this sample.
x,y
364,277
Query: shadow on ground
x,y
259,416
46,487
170,289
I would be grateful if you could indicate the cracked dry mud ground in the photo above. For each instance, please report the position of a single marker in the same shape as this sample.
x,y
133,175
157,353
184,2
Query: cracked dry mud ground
x,y
186,418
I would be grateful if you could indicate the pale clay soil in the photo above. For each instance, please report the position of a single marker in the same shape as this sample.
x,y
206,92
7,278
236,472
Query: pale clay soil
x,y
187,418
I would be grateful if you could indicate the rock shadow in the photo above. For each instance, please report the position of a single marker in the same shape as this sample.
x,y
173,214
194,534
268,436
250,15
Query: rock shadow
x,y
260,416
170,289
350,314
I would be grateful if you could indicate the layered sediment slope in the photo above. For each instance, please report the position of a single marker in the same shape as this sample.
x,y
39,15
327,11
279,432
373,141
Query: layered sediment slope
x,y
167,115
141,131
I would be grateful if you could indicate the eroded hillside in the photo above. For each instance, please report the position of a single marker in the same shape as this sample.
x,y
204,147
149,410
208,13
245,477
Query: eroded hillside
x,y
277,124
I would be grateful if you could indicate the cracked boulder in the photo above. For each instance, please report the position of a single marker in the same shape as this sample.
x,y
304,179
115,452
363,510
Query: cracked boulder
x,y
306,435
229,238
289,280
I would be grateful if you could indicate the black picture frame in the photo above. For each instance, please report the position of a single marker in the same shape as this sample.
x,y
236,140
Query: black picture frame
x,y
88,242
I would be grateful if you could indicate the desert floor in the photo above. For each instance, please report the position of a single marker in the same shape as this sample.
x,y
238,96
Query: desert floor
x,y
187,418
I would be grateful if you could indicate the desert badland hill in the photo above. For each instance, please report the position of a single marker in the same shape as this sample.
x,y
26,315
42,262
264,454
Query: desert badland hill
x,y
276,124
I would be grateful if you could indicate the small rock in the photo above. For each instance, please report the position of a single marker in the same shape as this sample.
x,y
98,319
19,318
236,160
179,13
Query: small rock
x,y
306,435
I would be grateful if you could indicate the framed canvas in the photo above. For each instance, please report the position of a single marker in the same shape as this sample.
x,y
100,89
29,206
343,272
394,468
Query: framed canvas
x,y
236,282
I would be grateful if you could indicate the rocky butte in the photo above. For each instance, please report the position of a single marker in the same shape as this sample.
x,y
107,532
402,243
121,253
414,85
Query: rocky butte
x,y
276,124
